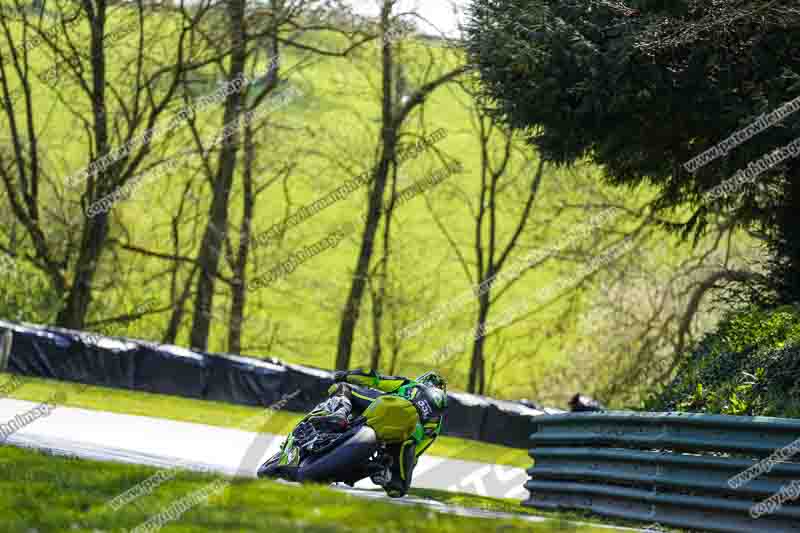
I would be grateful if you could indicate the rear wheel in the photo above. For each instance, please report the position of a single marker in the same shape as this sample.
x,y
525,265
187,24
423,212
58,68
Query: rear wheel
x,y
339,463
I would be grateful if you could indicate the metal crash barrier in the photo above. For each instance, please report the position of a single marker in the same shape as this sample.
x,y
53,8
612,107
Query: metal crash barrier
x,y
704,472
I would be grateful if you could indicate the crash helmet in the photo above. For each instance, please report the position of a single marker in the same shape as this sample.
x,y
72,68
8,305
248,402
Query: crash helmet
x,y
433,379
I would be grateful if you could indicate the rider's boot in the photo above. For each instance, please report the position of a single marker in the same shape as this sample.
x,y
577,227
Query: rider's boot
x,y
339,407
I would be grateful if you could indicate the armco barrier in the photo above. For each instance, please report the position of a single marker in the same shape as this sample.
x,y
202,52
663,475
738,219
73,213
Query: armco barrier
x,y
666,468
67,355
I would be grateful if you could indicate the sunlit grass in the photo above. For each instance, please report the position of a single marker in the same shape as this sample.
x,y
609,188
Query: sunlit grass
x,y
232,416
54,494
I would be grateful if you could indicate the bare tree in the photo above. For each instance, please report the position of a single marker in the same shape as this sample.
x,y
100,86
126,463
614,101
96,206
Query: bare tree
x,y
648,310
280,22
112,111
392,121
222,185
497,176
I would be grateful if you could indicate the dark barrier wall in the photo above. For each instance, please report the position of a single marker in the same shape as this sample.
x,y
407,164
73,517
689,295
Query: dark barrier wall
x,y
67,355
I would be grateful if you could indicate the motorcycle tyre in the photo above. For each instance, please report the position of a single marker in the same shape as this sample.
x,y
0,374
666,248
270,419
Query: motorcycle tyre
x,y
341,462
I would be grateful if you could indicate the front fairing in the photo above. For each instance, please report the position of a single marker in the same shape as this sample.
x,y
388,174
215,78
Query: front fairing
x,y
290,452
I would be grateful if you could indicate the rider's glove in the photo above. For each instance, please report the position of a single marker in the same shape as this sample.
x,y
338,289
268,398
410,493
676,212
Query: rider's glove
x,y
339,375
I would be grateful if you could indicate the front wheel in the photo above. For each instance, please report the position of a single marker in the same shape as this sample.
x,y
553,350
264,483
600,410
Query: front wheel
x,y
339,464
269,468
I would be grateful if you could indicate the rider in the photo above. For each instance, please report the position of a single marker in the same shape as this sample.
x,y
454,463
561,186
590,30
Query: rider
x,y
428,394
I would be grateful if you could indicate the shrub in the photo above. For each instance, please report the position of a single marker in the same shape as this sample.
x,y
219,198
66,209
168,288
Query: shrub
x,y
749,366
25,294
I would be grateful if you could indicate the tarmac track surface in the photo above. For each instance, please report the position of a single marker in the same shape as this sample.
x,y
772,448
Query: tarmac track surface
x,y
104,436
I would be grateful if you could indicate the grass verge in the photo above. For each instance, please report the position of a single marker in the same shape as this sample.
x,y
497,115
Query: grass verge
x,y
227,415
47,494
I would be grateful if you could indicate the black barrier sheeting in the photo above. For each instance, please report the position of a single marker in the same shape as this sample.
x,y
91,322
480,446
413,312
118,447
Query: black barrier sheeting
x,y
108,363
130,364
170,370
465,416
506,427
59,354
39,353
244,381
312,384
66,355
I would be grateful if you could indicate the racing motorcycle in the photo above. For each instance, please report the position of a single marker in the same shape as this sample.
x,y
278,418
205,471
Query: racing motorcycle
x,y
319,454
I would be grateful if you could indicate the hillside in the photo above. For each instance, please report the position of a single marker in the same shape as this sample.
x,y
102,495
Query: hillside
x,y
324,134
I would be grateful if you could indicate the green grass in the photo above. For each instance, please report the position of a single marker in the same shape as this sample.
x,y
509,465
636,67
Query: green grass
x,y
48,494
334,140
232,416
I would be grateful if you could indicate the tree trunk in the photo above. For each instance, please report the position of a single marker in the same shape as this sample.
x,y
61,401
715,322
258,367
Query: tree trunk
x,y
76,307
393,364
73,314
389,138
238,292
379,296
216,228
375,356
477,370
239,287
171,335
351,310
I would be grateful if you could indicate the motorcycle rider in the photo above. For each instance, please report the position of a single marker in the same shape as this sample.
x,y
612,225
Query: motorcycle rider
x,y
352,393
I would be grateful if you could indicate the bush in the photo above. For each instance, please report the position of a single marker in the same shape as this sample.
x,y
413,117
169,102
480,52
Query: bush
x,y
749,366
25,294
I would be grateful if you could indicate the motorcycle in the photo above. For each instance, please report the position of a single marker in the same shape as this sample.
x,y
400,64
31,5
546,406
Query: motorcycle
x,y
317,454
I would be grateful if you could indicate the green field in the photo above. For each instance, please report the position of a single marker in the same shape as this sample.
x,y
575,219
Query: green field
x,y
328,136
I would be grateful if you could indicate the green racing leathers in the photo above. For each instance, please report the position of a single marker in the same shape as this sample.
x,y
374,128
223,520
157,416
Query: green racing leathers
x,y
430,403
